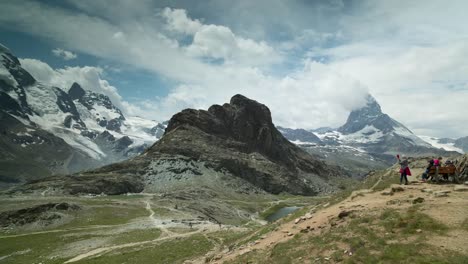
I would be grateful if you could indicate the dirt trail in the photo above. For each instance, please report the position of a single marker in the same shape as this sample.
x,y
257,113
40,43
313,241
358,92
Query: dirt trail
x,y
90,227
202,227
99,251
157,222
367,200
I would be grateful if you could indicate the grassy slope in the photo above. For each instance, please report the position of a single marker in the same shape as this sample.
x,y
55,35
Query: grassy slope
x,y
386,236
383,236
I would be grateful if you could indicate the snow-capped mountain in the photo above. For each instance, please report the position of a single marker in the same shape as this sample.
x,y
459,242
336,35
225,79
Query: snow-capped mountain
x,y
299,136
369,125
459,145
72,129
369,136
374,131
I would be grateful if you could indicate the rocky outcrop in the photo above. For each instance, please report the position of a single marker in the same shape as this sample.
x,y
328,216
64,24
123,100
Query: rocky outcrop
x,y
84,184
76,92
43,212
239,138
462,165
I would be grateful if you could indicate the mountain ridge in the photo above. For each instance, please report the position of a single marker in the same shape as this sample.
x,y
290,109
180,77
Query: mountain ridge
x,y
232,147
68,124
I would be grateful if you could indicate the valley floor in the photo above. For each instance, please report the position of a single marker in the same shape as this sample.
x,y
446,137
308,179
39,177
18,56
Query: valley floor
x,y
384,223
140,228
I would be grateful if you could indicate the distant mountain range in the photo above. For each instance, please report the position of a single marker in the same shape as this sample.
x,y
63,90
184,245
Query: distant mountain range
x,y
369,137
233,148
459,145
50,130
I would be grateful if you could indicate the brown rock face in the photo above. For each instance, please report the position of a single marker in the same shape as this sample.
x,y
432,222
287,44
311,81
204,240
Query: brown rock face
x,y
243,120
240,137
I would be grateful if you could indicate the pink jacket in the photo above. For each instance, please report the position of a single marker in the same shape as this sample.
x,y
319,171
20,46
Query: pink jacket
x,y
407,170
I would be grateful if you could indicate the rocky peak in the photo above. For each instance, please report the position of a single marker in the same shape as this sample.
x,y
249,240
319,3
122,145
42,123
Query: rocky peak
x,y
241,138
105,135
368,115
76,91
243,120
4,49
13,65
7,55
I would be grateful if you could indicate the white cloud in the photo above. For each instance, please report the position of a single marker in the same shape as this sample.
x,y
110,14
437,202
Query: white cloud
x,y
306,98
64,54
214,41
90,78
218,42
178,21
409,55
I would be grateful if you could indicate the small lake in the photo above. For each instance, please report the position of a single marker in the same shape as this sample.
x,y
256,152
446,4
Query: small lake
x,y
282,212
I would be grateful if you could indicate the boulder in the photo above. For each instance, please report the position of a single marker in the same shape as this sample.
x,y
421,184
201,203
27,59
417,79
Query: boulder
x,y
397,188
441,194
343,214
461,188
418,200
387,192
427,190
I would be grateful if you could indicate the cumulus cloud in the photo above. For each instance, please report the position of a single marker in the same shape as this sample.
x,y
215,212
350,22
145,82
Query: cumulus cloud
x,y
64,54
217,41
178,21
90,78
311,63
306,98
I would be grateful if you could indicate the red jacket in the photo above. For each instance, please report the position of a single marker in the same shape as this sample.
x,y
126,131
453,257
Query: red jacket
x,y
407,170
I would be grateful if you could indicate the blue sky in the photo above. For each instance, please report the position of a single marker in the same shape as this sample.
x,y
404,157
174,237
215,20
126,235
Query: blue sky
x,y
133,84
311,62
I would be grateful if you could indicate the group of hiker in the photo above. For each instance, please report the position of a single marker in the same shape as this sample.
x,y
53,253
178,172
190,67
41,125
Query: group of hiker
x,y
433,164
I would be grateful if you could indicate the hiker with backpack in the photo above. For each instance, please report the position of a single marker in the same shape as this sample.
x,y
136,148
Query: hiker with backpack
x,y
404,169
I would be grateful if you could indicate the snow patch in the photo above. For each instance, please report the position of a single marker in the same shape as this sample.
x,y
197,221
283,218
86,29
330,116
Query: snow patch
x,y
103,112
6,76
298,142
22,134
80,142
435,143
138,129
404,132
369,134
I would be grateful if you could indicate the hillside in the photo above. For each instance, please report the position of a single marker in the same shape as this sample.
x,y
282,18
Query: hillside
x,y
378,221
421,223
